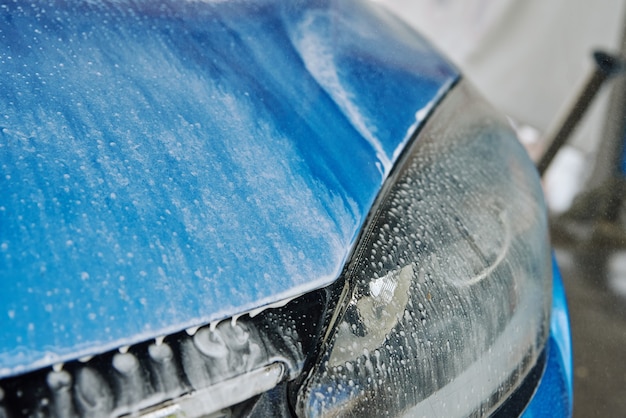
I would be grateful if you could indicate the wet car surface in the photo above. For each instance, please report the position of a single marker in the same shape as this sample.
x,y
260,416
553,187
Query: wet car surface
x,y
216,208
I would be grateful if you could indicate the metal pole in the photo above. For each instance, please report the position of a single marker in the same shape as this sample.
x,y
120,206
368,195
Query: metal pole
x,y
606,66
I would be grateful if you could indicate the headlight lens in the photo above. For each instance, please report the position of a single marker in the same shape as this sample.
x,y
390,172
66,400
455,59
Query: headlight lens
x,y
451,282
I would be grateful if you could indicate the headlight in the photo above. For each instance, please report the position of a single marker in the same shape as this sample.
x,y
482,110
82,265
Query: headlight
x,y
450,285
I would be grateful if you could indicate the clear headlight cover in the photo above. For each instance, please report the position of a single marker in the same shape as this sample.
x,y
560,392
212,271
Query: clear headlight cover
x,y
451,281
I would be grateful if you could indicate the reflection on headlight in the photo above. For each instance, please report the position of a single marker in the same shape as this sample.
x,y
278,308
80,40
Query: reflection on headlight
x,y
372,316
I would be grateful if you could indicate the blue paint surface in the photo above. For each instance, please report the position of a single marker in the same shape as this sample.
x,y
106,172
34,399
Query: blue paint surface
x,y
164,165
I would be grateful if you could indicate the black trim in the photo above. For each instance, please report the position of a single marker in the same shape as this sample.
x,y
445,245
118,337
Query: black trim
x,y
519,400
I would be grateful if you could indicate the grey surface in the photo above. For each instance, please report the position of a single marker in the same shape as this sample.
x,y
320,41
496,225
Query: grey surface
x,y
592,280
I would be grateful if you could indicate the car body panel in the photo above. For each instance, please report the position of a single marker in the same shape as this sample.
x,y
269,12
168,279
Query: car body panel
x,y
165,166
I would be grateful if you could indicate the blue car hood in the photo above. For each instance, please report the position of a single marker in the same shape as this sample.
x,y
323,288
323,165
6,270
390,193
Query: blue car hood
x,y
165,165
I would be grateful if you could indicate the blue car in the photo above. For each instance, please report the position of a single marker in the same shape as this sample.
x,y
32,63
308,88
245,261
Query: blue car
x,y
263,208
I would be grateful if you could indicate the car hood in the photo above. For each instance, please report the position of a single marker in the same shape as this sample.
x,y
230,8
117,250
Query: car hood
x,y
165,165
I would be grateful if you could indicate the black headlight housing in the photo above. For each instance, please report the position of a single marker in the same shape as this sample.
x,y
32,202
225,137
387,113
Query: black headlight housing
x,y
449,307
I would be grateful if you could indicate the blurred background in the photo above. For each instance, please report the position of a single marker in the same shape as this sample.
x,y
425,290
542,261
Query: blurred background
x,y
532,59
